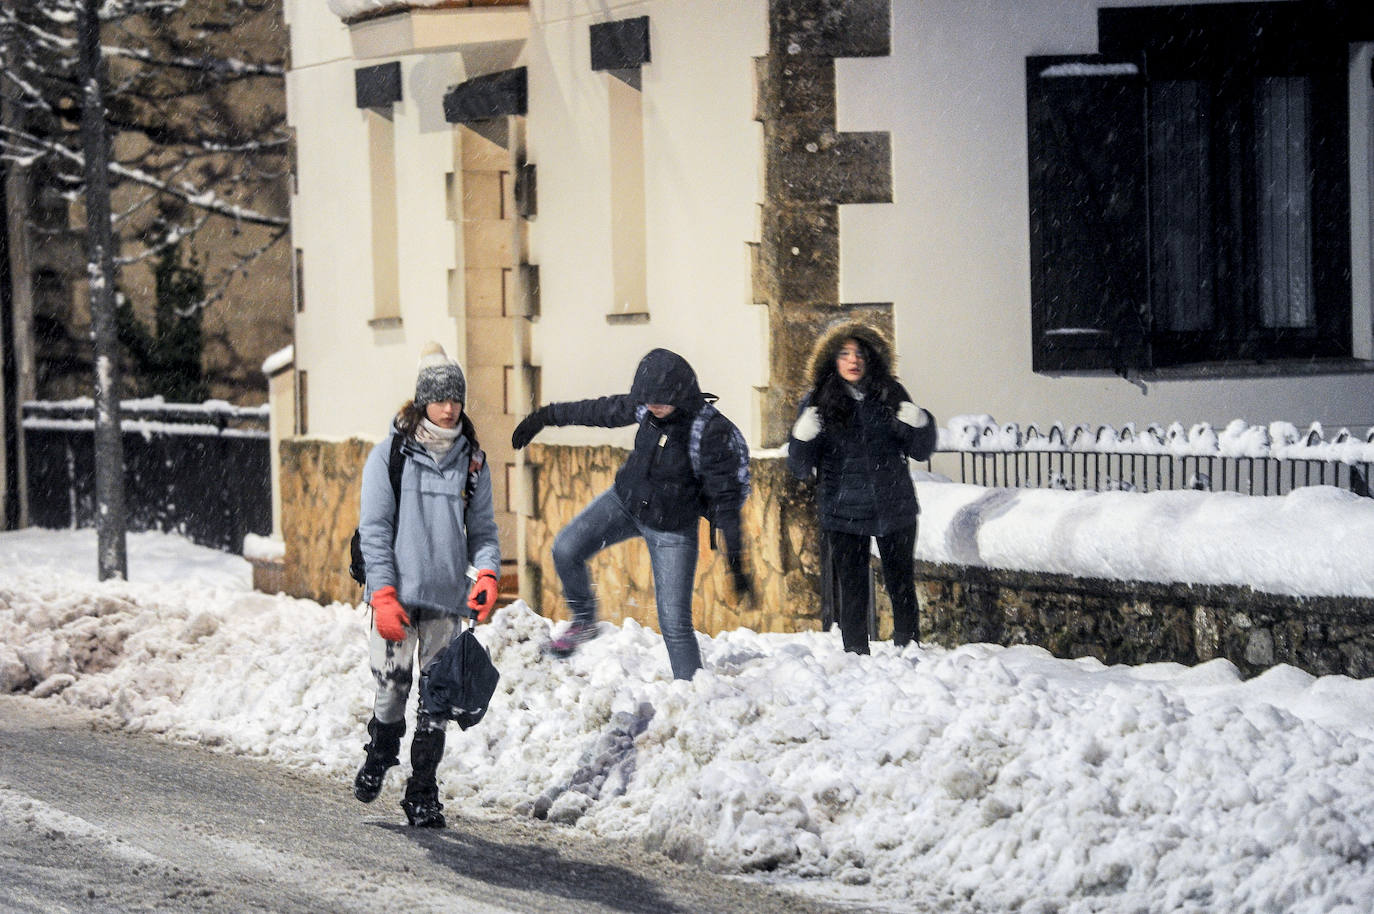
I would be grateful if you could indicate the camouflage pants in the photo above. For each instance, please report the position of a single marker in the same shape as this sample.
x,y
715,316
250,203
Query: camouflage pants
x,y
393,664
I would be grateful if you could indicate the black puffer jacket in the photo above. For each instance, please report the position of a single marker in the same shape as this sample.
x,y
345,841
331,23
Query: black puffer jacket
x,y
859,459
657,483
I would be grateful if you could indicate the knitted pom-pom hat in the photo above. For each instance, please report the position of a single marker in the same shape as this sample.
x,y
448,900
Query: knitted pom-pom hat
x,y
439,378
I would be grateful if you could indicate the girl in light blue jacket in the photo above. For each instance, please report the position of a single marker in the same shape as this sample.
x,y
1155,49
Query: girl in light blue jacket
x,y
427,553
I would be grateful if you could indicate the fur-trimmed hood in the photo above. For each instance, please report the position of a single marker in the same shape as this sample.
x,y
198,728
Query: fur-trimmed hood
x,y
828,347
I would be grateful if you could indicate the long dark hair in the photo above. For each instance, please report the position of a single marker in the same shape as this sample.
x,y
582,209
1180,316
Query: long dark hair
x,y
832,396
408,420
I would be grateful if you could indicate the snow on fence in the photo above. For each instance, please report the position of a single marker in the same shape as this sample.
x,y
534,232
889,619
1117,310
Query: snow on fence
x,y
202,470
1250,459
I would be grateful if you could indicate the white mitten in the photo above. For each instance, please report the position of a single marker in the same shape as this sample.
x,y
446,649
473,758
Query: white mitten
x,y
808,424
912,414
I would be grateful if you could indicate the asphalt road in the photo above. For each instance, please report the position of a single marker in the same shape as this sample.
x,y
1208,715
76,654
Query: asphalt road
x,y
99,820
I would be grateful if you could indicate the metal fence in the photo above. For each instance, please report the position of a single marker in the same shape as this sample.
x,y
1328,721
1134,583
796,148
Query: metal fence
x,y
199,470
1251,460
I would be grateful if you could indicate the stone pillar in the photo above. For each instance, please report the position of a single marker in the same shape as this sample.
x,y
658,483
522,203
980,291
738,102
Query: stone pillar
x,y
321,486
811,169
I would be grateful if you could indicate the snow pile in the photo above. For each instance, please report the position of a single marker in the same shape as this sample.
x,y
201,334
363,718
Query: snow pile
x,y
982,777
1313,541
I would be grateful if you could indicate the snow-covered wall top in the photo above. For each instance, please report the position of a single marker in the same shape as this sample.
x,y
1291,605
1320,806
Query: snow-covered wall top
x,y
209,408
150,416
278,360
1278,440
347,9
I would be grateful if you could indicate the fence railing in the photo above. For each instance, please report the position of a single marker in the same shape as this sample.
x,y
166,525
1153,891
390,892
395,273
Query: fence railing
x,y
202,470
1249,459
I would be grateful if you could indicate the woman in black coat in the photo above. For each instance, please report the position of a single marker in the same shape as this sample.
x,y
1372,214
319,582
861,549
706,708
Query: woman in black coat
x,y
854,432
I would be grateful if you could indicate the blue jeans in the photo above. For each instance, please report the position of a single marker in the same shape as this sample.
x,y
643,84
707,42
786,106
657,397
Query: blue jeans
x,y
672,553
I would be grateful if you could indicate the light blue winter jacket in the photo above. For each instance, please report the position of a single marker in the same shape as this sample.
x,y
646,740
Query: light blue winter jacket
x,y
437,536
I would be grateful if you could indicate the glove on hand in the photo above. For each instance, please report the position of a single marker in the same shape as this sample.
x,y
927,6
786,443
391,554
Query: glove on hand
x,y
388,615
808,424
482,597
912,414
741,580
529,427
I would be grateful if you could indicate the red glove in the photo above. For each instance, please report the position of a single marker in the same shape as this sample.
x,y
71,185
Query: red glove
x,y
482,598
388,615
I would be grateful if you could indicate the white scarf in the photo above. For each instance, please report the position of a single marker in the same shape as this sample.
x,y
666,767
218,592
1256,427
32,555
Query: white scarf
x,y
436,439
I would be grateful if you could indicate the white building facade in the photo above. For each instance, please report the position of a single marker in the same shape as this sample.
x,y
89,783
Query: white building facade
x,y
1060,209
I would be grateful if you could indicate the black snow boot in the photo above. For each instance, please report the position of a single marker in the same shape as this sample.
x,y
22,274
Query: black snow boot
x,y
421,802
383,750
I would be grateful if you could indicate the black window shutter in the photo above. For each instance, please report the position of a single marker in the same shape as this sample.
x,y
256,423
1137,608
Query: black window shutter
x,y
1088,217
487,96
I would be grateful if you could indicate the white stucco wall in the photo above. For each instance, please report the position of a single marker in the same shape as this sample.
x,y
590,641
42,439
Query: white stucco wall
x,y
703,178
358,375
953,250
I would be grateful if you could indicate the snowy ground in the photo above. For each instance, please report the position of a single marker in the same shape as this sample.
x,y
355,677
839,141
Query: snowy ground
x,y
988,778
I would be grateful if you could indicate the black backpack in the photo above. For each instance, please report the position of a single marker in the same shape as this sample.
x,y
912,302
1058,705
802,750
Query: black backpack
x,y
357,569
739,453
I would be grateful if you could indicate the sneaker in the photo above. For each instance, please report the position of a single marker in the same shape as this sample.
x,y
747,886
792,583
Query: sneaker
x,y
424,812
576,634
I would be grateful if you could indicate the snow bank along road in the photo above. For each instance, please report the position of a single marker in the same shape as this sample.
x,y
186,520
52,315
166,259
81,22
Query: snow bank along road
x,y
93,819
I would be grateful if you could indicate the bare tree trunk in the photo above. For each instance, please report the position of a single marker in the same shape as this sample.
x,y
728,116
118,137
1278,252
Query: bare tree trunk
x,y
21,305
112,559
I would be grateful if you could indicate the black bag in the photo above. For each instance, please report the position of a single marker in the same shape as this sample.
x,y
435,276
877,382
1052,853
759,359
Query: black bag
x,y
459,682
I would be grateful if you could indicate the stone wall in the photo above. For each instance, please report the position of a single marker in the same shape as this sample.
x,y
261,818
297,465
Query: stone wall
x,y
320,485
1115,621
779,532
1139,622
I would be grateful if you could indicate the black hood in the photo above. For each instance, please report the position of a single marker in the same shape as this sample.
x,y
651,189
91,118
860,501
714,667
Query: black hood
x,y
665,377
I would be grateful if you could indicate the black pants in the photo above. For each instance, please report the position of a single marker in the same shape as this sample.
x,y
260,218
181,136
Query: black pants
x,y
848,563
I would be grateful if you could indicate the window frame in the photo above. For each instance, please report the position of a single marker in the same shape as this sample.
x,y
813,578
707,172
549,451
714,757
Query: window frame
x,y
1229,47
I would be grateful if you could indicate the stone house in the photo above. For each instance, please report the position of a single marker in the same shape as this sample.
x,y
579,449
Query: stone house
x,y
1060,209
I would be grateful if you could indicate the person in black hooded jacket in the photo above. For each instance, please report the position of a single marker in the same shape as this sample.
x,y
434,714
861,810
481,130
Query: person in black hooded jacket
x,y
658,494
853,434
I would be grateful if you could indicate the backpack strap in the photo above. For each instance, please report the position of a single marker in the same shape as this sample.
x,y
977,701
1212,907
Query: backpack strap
x,y
395,465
